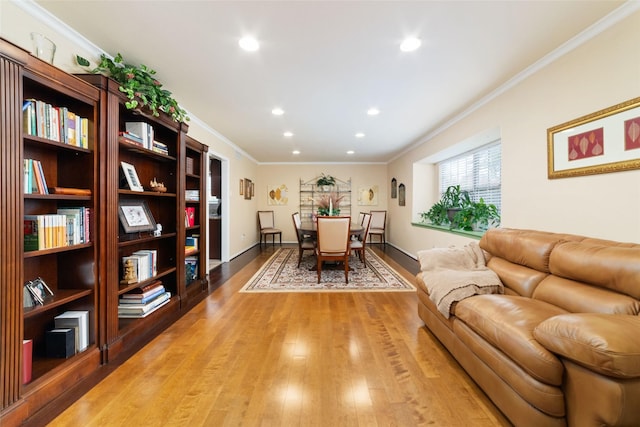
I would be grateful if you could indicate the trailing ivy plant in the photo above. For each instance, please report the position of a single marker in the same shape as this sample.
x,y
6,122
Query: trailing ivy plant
x,y
139,85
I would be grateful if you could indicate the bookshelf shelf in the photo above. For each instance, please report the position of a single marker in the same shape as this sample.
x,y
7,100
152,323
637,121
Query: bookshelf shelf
x,y
62,249
61,297
126,288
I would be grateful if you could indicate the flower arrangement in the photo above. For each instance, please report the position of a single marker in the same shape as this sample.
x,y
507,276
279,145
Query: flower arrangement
x,y
329,204
140,86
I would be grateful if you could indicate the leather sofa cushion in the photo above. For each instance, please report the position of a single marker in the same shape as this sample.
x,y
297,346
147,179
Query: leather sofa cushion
x,y
576,297
613,267
603,343
524,247
507,322
522,280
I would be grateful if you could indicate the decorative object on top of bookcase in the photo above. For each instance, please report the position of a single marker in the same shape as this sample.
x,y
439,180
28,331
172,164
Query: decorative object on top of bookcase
x,y
43,47
135,216
140,86
131,177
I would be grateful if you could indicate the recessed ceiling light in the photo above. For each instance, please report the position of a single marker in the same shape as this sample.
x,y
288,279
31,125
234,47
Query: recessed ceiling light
x,y
249,44
410,44
288,134
359,135
277,111
350,152
373,111
296,152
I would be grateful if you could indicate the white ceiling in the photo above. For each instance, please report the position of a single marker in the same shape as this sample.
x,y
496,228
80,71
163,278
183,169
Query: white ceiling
x,y
326,62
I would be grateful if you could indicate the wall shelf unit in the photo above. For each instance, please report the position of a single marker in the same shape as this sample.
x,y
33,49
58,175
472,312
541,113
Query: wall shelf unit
x,y
310,192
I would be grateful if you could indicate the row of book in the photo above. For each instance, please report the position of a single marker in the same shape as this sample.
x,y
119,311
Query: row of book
x,y
143,301
192,195
143,264
55,123
191,244
189,216
142,134
190,269
34,180
69,226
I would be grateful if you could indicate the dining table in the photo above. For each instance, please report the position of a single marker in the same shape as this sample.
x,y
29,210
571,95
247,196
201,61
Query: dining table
x,y
311,227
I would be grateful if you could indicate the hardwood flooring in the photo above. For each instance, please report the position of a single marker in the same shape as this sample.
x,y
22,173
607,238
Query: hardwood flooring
x,y
290,359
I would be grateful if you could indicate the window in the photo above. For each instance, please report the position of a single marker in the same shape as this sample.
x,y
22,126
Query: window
x,y
477,171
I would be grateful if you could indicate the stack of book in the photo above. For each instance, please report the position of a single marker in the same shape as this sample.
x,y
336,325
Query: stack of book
x,y
130,138
159,147
143,301
142,131
192,195
191,244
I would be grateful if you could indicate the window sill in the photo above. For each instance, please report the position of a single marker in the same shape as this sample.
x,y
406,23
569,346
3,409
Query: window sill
x,y
473,234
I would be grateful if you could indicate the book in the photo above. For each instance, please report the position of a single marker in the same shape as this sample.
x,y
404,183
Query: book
x,y
78,320
27,360
145,314
31,239
137,296
129,302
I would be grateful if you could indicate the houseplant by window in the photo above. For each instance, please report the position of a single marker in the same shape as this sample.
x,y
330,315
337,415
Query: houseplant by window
x,y
139,85
456,208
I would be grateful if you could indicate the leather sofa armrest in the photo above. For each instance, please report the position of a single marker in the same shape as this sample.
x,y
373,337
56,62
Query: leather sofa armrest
x,y
603,343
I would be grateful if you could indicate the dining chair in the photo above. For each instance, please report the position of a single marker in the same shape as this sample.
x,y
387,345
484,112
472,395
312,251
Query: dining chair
x,y
377,226
358,245
305,241
333,242
267,227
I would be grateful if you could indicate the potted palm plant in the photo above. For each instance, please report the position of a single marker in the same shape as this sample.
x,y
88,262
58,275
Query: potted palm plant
x,y
326,182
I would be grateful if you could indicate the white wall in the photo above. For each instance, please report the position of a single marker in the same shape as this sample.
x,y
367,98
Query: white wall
x,y
602,72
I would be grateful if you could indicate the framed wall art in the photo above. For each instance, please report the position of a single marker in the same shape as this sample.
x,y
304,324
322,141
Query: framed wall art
x,y
241,192
368,196
277,195
605,141
248,185
394,188
402,194
135,216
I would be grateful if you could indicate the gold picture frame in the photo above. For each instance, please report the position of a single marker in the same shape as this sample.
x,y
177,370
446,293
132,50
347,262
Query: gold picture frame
x,y
602,142
241,192
248,188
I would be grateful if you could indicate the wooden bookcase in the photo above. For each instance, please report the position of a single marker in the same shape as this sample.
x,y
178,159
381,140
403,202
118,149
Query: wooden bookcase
x,y
70,271
196,283
124,335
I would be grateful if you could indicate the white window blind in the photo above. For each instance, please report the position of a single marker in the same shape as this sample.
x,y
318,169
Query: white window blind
x,y
477,171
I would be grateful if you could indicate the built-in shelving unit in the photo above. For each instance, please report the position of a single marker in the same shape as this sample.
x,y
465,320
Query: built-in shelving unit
x,y
196,270
68,267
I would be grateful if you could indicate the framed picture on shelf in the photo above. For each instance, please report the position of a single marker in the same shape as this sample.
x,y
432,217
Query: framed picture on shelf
x,y
38,290
135,216
131,177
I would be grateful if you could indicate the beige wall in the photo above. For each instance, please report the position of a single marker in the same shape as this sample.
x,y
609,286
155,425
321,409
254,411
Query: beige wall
x,y
600,73
277,174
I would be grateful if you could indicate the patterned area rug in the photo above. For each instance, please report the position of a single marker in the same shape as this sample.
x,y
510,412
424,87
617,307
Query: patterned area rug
x,y
281,274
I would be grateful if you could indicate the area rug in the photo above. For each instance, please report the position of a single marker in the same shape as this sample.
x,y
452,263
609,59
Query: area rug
x,y
281,274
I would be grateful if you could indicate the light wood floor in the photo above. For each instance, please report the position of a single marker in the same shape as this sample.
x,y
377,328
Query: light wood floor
x,y
306,359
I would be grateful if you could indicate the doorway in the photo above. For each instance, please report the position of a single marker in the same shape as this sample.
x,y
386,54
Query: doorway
x,y
217,210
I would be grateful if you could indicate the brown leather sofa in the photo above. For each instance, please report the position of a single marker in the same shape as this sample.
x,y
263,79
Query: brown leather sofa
x,y
561,346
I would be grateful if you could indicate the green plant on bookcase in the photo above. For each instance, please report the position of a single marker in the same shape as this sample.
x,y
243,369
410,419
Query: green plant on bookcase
x,y
139,84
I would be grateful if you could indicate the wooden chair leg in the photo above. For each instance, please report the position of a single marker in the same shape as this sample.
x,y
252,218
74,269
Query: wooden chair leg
x,y
346,270
319,268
